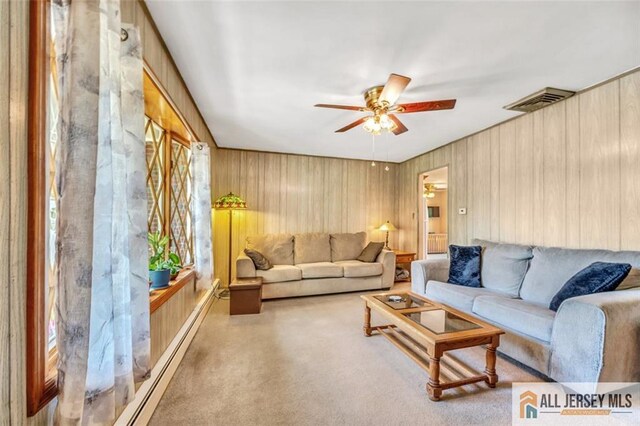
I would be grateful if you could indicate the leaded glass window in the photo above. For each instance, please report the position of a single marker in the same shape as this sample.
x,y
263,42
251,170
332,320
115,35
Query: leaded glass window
x,y
169,188
181,226
155,147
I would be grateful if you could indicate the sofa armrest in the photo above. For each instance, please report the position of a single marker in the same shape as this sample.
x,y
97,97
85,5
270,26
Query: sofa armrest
x,y
388,260
245,267
596,338
422,271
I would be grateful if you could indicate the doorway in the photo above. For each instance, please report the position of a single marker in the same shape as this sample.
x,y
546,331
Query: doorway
x,y
433,215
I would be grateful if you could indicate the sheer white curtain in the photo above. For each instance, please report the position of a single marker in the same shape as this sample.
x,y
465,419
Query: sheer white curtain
x,y
103,302
201,211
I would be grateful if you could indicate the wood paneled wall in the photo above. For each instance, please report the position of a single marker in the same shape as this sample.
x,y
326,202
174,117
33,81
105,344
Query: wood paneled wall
x,y
169,318
567,175
297,194
14,26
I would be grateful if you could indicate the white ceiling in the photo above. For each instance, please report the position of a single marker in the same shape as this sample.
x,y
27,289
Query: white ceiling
x,y
256,69
440,176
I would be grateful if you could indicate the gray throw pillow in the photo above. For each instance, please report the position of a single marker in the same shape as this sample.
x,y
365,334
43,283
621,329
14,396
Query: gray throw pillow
x,y
261,262
370,252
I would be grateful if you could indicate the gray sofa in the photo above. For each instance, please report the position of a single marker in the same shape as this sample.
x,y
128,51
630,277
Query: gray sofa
x,y
592,338
316,263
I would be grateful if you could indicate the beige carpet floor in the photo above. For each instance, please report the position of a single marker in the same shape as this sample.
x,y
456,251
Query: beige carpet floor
x,y
305,361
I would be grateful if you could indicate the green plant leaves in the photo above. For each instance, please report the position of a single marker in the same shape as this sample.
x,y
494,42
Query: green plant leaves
x,y
158,261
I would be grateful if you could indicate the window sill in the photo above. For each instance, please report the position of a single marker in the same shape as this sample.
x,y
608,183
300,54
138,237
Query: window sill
x,y
158,298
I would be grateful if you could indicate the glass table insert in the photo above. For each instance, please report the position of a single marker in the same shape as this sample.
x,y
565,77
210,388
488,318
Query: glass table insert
x,y
406,301
439,321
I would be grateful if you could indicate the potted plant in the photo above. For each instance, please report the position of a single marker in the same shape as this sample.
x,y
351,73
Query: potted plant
x,y
175,264
159,268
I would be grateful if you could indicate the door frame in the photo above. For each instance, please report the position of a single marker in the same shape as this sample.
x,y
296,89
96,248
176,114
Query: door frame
x,y
419,188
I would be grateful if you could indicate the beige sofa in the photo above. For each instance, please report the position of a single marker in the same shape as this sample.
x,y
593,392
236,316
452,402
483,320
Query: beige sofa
x,y
316,263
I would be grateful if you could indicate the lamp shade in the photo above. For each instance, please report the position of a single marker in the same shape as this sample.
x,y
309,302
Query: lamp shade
x,y
230,202
387,226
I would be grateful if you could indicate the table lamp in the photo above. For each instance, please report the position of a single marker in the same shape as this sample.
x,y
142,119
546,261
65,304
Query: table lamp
x,y
386,227
229,202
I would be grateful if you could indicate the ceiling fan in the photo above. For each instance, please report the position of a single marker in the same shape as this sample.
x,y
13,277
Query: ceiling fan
x,y
381,104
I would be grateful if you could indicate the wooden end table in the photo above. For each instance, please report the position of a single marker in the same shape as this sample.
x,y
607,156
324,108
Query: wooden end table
x,y
246,296
424,329
404,258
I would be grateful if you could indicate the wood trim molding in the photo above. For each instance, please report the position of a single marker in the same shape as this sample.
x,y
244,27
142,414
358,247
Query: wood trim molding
x,y
41,383
163,92
160,297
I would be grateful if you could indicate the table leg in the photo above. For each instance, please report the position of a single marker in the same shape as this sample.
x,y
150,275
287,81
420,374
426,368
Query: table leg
x,y
433,387
367,320
490,370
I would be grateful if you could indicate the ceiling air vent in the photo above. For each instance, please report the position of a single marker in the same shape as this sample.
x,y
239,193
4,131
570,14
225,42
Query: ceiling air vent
x,y
540,99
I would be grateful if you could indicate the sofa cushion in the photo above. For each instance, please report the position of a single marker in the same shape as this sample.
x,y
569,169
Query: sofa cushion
x,y
551,267
347,246
465,265
278,248
457,296
355,268
516,314
320,270
504,266
280,273
311,248
595,278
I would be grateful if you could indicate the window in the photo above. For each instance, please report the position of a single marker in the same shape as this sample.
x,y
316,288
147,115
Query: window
x,y
169,189
41,268
169,179
181,223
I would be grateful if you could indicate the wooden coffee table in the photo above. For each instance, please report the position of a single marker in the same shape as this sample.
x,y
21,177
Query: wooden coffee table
x,y
424,330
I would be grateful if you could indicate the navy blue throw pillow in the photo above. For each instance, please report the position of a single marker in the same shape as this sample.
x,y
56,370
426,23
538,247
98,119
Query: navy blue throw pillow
x,y
465,265
595,278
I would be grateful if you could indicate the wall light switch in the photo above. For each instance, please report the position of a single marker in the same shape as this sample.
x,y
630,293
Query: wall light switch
x,y
462,210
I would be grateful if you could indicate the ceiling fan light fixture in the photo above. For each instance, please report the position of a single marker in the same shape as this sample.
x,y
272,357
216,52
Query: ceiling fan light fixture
x,y
429,191
372,125
386,123
381,103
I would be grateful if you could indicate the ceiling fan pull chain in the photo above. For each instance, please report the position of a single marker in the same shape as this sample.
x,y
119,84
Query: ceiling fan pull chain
x,y
386,145
373,148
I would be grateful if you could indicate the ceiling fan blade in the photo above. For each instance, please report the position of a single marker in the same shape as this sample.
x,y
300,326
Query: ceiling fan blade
x,y
394,87
426,106
352,125
400,128
348,107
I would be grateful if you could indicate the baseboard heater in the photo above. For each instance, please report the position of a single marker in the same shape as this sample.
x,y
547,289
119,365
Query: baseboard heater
x,y
140,410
